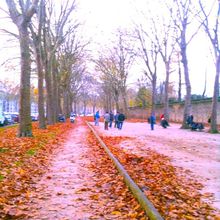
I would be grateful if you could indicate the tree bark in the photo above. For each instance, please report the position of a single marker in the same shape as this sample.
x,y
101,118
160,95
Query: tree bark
x,y
55,89
153,98
25,127
214,127
124,98
41,111
49,94
22,21
187,105
180,83
166,92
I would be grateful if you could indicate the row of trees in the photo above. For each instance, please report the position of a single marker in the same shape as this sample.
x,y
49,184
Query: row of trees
x,y
164,39
60,58
48,38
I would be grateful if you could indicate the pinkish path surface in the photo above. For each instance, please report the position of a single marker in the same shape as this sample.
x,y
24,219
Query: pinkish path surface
x,y
59,194
198,152
80,184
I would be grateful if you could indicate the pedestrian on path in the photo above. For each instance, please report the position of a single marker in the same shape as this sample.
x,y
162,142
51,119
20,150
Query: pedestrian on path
x,y
111,119
116,120
152,121
121,118
97,117
106,120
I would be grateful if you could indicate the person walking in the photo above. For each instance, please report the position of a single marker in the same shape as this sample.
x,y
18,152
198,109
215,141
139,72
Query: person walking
x,y
116,120
152,121
106,120
97,117
111,119
121,118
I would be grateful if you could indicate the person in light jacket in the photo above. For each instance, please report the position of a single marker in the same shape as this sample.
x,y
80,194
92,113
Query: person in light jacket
x,y
106,120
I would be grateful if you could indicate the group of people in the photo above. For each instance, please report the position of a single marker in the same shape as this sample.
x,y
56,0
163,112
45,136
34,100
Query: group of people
x,y
163,122
194,125
109,118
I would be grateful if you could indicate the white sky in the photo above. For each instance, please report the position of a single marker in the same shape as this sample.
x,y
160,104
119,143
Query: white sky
x,y
101,18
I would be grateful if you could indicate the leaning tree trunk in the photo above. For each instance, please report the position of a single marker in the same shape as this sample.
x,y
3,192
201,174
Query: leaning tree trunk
x,y
25,127
214,126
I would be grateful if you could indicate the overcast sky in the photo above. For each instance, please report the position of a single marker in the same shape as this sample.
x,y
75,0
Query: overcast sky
x,y
101,18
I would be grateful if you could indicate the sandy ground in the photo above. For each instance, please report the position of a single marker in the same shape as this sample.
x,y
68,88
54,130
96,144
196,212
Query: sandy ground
x,y
196,151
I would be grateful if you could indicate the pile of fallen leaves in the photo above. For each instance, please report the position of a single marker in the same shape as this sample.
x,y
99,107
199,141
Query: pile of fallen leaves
x,y
22,161
174,196
112,199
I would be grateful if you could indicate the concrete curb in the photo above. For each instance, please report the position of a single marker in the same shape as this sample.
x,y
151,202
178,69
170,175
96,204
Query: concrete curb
x,y
148,207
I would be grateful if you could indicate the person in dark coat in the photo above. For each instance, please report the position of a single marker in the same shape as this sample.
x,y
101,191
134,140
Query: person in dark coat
x,y
152,121
116,120
111,119
121,118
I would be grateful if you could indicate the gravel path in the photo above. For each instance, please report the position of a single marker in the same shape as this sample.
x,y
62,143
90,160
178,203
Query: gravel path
x,y
198,152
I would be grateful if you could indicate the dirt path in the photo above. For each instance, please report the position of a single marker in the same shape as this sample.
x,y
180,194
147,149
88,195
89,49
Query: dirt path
x,y
198,152
58,195
81,184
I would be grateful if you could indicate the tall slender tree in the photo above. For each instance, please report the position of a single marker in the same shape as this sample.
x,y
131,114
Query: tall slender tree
x,y
37,45
54,34
182,13
22,19
213,34
150,57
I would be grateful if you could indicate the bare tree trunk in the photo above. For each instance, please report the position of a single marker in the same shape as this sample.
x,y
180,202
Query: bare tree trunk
x,y
154,89
49,94
55,90
204,91
124,98
116,103
42,121
25,127
180,84
187,105
65,102
75,106
214,127
166,95
22,20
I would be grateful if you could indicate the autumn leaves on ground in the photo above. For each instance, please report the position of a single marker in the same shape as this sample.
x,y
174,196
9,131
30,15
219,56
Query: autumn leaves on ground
x,y
23,162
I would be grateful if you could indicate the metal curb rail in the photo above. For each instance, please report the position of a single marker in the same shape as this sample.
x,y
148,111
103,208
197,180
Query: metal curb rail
x,y
148,207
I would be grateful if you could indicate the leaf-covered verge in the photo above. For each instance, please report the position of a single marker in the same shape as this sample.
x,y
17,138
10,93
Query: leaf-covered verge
x,y
22,162
112,199
174,196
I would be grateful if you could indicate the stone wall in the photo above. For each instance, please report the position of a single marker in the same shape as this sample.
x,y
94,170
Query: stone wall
x,y
201,110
